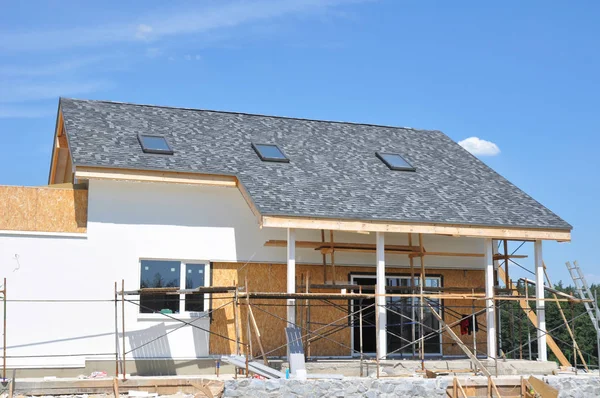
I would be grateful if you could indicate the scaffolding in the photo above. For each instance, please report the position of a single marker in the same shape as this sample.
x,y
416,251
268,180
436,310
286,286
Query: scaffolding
x,y
352,302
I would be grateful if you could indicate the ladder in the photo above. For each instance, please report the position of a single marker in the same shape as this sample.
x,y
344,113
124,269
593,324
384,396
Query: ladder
x,y
584,292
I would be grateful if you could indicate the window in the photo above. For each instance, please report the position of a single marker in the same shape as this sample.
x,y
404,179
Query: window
x,y
175,274
154,144
394,161
270,153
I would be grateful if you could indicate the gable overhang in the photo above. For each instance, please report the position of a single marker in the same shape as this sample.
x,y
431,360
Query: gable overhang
x,y
86,173
61,166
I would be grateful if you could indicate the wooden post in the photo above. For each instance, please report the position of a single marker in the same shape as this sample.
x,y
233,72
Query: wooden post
x,y
333,277
248,331
360,330
123,325
307,320
473,323
324,258
235,321
116,333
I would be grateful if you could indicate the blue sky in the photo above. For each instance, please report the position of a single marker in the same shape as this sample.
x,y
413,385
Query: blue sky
x,y
521,75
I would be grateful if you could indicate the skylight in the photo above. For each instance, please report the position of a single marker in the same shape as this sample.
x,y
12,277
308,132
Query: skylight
x,y
154,144
270,153
395,161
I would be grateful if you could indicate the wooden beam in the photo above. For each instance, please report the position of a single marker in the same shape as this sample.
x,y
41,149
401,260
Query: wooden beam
x,y
327,248
502,256
305,244
398,227
533,318
98,173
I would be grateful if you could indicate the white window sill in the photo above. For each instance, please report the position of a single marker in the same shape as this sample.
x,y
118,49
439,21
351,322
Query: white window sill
x,y
186,316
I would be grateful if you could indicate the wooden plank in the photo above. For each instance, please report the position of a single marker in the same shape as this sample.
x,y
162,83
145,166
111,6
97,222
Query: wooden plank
x,y
533,318
43,209
438,229
257,332
545,390
98,173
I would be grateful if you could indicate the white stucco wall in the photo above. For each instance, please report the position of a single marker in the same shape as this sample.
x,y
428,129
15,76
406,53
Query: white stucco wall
x,y
129,221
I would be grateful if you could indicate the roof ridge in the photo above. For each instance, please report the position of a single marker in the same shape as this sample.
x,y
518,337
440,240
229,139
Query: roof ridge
x,y
253,114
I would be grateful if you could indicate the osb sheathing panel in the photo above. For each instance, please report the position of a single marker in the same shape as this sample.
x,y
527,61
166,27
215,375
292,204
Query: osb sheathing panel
x,y
43,209
272,278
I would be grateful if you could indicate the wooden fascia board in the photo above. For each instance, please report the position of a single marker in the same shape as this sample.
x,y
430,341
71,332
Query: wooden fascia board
x,y
98,173
437,229
83,173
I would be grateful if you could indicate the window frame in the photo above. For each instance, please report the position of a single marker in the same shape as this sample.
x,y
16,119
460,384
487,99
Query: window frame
x,y
155,151
381,156
182,277
267,158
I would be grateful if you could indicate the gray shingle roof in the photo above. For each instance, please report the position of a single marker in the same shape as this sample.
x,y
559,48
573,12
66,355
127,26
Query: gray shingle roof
x,y
333,171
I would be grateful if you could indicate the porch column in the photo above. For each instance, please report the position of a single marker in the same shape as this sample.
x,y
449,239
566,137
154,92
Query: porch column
x,y
489,303
380,301
540,304
291,275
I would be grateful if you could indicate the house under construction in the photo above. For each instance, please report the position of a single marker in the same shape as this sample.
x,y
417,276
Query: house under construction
x,y
222,229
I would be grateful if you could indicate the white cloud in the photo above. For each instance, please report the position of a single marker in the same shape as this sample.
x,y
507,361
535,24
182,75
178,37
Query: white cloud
x,y
143,31
222,14
188,57
197,57
479,147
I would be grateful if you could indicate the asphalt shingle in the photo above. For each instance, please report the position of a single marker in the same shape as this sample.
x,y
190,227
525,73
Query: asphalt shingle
x,y
333,171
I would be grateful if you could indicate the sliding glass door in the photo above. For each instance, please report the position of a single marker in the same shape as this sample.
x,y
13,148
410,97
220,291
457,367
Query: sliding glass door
x,y
403,315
